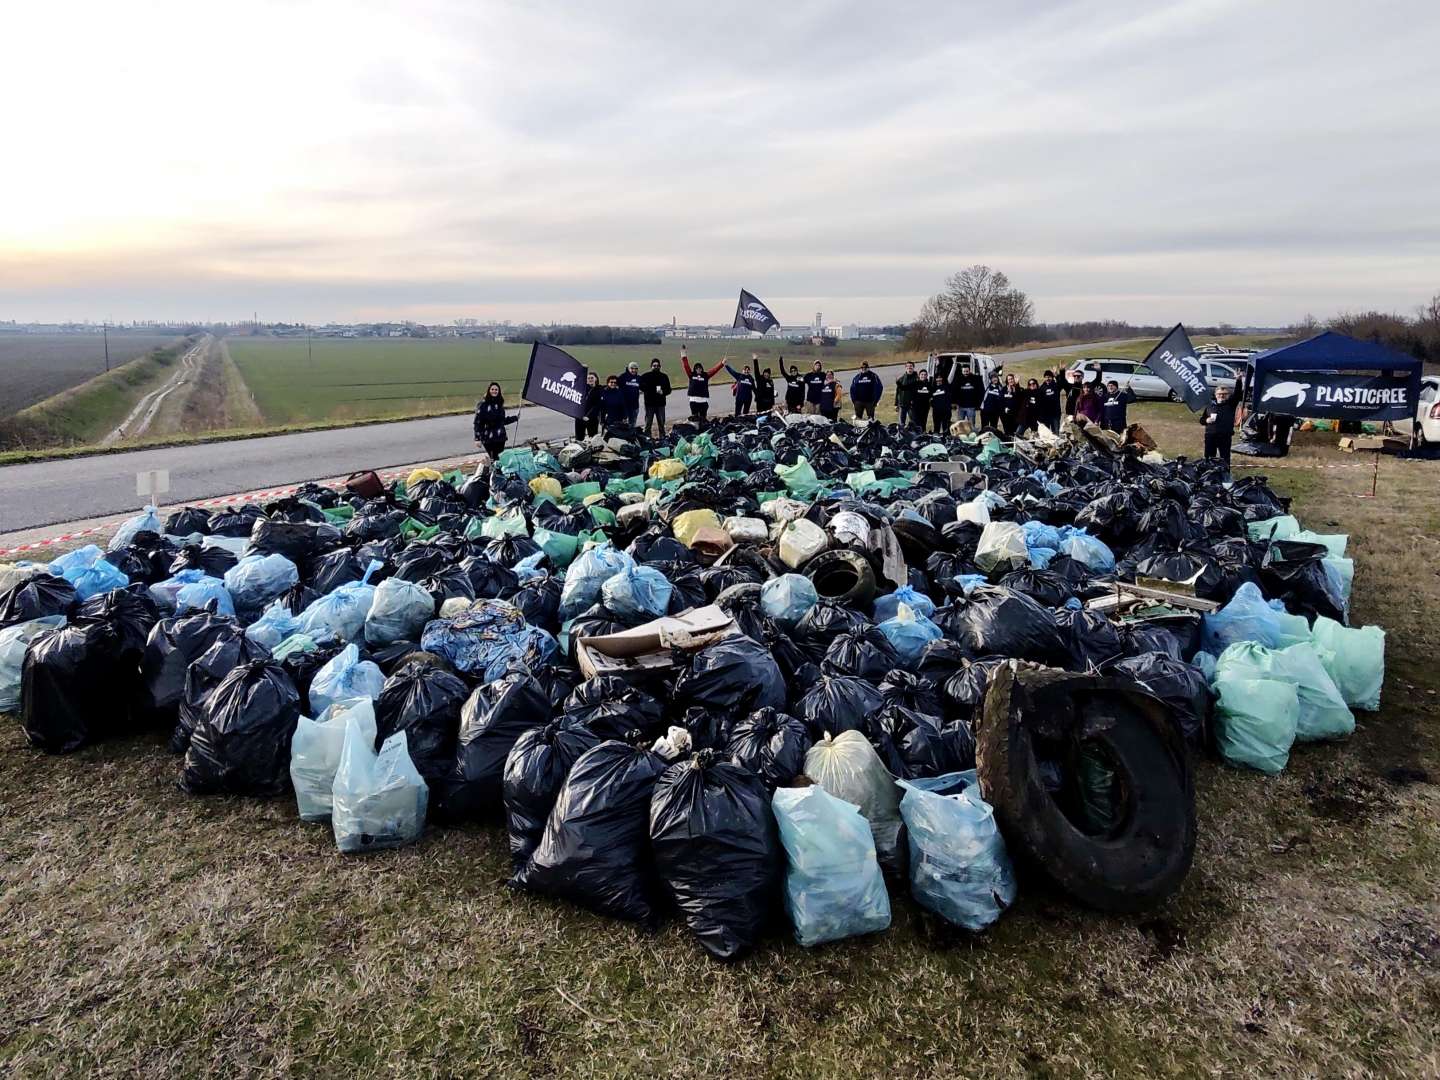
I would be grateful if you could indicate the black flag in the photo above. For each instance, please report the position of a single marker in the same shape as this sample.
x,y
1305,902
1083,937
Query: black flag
x,y
752,314
555,380
1174,361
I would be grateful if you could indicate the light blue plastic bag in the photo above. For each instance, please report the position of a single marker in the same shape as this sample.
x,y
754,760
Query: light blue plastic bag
x,y
194,595
315,754
273,627
888,606
959,867
165,592
14,640
378,800
1255,721
1322,713
637,590
345,677
586,576
1355,658
86,569
398,612
340,614
257,579
787,598
910,633
1040,535
1249,617
1281,527
833,885
1087,549
148,521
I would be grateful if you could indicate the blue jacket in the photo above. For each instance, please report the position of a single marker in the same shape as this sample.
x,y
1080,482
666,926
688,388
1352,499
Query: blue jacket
x,y
866,388
614,402
630,383
744,385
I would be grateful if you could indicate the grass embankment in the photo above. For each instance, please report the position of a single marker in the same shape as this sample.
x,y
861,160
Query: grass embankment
x,y
149,932
86,413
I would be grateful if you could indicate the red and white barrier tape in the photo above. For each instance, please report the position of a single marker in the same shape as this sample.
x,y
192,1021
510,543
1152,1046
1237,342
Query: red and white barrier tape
x,y
1296,465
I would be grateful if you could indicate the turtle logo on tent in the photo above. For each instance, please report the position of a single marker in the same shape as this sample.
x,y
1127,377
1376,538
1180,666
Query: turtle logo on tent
x,y
1287,389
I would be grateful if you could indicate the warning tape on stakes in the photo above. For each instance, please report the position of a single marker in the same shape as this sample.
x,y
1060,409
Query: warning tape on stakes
x,y
1275,465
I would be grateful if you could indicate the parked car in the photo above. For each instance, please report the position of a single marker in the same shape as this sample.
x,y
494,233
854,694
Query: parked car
x,y
983,363
1424,430
1144,383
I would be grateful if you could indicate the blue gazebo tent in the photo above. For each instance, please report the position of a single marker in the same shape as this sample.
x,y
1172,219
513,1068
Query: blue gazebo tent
x,y
1335,376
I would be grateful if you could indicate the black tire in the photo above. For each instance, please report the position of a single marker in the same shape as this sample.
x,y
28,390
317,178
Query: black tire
x,y
1145,856
842,577
1172,396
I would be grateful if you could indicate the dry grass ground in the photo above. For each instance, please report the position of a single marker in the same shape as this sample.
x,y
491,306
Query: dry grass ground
x,y
146,932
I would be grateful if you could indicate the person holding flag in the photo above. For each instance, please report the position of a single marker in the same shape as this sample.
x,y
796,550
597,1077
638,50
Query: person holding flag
x,y
491,421
698,390
588,423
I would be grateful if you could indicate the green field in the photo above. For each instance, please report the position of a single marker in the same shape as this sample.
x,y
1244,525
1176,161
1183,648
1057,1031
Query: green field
x,y
368,378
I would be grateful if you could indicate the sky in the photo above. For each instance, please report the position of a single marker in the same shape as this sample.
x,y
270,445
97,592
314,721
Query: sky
x,y
626,162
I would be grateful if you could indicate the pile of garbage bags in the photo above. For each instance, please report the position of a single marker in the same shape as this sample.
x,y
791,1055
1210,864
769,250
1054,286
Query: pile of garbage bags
x,y
501,647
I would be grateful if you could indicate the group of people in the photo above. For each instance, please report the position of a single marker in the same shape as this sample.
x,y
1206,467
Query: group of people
x,y
923,401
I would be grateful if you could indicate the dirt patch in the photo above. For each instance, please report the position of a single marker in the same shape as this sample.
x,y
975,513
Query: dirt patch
x,y
1344,796
1410,938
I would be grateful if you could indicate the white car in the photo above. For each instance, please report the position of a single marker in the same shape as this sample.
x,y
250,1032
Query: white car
x,y
1424,430
1144,383
982,364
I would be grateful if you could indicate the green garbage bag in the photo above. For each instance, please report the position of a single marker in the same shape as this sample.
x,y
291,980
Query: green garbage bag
x,y
934,451
1334,543
499,526
602,516
993,449
762,455
578,493
1354,658
697,451
411,529
455,478
1323,713
1342,573
475,529
762,497
1282,527
520,461
338,515
800,479
592,536
859,481
626,485
561,547
1255,721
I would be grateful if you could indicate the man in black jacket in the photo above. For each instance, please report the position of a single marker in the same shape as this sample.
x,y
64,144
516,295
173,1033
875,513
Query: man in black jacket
x,y
966,392
655,389
1048,402
1113,407
1218,416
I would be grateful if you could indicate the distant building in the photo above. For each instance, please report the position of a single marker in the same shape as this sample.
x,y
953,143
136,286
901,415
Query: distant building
x,y
846,332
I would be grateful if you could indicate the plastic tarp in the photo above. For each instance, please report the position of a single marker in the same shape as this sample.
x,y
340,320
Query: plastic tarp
x,y
487,639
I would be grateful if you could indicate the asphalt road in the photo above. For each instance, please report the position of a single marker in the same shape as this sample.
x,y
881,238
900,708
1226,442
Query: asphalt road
x,y
66,490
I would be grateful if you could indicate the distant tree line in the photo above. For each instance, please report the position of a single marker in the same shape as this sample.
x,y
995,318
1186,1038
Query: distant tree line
x,y
587,335
1417,335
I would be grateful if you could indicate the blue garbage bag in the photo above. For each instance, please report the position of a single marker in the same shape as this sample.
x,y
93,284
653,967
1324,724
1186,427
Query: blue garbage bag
x,y
148,521
970,582
273,626
959,867
1040,556
833,885
86,569
195,595
487,639
1040,535
398,612
788,597
888,606
637,590
340,614
345,677
910,633
1250,617
586,576
1087,549
378,800
165,592
257,579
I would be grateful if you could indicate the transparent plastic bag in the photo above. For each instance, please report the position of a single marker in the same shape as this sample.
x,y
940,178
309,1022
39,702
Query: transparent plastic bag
x,y
273,626
847,767
147,521
379,800
585,577
315,754
257,579
341,614
1002,543
959,867
399,611
833,885
787,597
344,677
198,594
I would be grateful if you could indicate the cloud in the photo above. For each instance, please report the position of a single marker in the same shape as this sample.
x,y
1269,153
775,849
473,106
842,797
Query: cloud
x,y
1204,160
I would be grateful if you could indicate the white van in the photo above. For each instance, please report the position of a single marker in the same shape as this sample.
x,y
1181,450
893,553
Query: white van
x,y
982,363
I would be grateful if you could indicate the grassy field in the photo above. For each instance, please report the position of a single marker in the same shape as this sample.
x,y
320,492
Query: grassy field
x,y
146,932
366,378
34,367
84,414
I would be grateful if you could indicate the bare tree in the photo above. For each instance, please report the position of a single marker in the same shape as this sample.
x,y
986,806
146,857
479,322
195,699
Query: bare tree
x,y
978,306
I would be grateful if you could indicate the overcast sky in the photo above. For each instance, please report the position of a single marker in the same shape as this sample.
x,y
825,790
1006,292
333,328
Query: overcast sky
x,y
626,162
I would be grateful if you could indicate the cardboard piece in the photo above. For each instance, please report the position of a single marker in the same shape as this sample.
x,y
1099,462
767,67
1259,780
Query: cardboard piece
x,y
651,646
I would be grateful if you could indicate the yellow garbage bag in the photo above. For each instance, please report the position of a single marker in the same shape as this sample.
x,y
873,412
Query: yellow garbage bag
x,y
417,475
667,469
692,521
546,485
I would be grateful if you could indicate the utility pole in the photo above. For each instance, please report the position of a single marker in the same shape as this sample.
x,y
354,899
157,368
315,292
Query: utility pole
x,y
309,352
105,333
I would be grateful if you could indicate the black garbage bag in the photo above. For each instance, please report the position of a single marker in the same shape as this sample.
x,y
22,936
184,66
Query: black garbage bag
x,y
770,744
1047,589
188,520
235,522
910,743
866,654
35,598
1167,519
171,647
941,659
1179,685
838,703
293,509
132,614
424,701
649,548
965,690
298,541
207,672
491,719
390,656
538,600
611,708
733,676
1293,571
418,561
1112,518
302,666
447,583
489,580
1187,566
213,560
375,521
1254,498
1000,622
1140,638
918,692
687,588
819,626
1217,520
1092,639
145,565
297,598
717,851
241,743
509,550
535,770
335,568
73,688
716,579
595,851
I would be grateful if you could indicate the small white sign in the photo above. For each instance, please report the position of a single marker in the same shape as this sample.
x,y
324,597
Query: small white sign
x,y
153,482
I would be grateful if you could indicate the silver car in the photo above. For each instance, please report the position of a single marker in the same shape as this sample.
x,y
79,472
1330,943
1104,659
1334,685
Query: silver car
x,y
1144,383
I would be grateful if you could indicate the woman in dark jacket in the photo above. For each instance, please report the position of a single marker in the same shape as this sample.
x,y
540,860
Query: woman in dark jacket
x,y
1011,400
990,404
920,400
765,392
589,423
1030,406
614,405
491,421
794,389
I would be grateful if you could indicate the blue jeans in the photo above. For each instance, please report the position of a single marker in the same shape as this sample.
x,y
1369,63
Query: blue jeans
x,y
967,415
